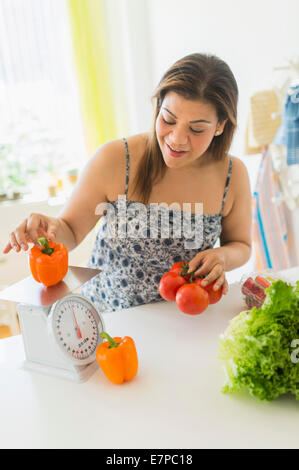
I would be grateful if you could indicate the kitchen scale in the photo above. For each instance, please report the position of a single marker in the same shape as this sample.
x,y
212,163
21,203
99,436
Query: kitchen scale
x,y
60,328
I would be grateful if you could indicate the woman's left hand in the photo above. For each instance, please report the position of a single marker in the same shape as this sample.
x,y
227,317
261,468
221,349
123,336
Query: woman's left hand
x,y
210,264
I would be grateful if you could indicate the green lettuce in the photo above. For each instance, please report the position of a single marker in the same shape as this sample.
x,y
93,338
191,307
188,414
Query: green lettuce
x,y
255,350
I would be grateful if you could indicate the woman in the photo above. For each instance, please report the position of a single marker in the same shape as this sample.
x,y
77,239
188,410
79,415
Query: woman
x,y
183,161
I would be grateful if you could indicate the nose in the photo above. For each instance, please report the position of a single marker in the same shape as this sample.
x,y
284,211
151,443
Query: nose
x,y
178,138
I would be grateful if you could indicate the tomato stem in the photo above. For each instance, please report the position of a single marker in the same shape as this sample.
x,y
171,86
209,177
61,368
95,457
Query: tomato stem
x,y
184,272
46,250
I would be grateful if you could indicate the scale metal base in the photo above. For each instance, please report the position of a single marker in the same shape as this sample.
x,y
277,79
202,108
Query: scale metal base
x,y
76,374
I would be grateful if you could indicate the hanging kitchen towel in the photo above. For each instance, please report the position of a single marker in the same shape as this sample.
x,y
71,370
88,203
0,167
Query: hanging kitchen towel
x,y
288,176
269,229
262,125
288,132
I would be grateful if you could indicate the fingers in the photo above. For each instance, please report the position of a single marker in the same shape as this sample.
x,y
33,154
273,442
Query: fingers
x,y
208,265
17,241
195,262
225,287
32,228
216,273
35,228
212,266
39,225
7,248
220,280
204,268
205,262
22,236
52,232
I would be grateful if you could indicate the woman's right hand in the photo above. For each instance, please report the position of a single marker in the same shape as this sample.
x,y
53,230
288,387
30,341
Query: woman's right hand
x,y
32,228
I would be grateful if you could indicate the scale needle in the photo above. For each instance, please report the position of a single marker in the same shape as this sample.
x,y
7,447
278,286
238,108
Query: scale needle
x,y
79,334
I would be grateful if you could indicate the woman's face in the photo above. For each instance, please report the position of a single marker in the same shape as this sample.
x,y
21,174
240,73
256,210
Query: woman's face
x,y
185,129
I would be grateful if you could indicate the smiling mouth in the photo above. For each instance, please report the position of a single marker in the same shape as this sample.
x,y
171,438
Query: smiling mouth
x,y
175,152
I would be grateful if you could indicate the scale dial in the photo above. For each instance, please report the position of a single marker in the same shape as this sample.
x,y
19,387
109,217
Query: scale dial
x,y
76,327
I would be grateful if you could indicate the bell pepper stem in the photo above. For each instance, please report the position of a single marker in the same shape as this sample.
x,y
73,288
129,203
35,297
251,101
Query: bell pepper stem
x,y
44,243
113,343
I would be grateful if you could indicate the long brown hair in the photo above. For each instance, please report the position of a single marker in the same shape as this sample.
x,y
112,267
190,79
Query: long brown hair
x,y
200,77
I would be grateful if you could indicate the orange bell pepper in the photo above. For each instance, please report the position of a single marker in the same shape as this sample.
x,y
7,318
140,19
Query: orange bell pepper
x,y
117,358
48,264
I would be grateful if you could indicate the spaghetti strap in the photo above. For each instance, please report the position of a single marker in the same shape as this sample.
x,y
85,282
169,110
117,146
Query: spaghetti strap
x,y
227,183
123,243
127,165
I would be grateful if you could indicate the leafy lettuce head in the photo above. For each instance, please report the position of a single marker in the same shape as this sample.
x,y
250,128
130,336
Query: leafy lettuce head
x,y
256,347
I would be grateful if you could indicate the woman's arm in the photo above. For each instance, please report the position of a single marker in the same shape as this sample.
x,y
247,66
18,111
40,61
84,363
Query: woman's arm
x,y
78,216
235,238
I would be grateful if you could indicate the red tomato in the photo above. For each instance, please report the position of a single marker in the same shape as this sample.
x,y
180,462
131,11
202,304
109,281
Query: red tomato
x,y
214,295
192,299
178,267
169,284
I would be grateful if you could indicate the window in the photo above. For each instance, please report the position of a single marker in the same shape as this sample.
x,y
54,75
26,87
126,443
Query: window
x,y
41,136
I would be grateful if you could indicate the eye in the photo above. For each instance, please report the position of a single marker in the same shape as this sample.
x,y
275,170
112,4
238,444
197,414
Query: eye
x,y
167,122
173,123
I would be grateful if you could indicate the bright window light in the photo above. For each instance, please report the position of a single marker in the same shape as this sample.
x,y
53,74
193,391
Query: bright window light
x,y
41,136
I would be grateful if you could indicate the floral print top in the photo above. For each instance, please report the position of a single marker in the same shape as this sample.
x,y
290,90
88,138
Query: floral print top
x,y
136,244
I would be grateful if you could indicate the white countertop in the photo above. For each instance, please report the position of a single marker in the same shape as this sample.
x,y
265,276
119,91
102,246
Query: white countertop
x,y
175,401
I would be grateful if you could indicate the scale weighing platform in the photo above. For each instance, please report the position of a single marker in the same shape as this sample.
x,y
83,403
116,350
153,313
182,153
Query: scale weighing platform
x,y
60,328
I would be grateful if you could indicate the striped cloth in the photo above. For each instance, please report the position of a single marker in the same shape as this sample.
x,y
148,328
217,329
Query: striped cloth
x,y
269,229
288,132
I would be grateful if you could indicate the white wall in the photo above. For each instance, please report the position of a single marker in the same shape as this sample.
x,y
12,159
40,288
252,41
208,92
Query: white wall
x,y
251,36
145,37
130,49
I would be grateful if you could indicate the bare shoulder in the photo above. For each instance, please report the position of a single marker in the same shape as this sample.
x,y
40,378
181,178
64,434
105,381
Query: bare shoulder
x,y
236,222
109,154
114,152
239,176
238,184
137,144
109,160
